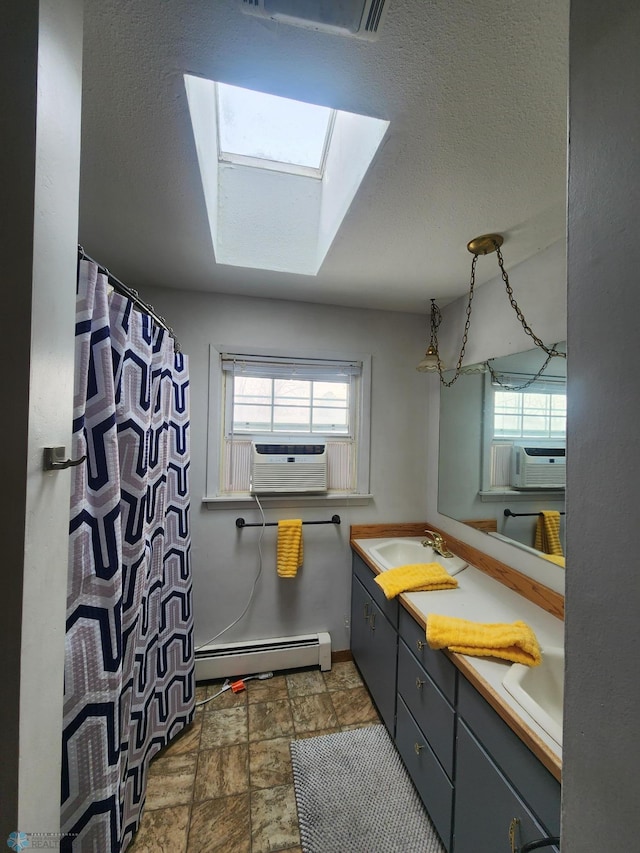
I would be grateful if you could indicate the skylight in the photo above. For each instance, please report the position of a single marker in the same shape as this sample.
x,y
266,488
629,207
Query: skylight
x,y
266,130
278,175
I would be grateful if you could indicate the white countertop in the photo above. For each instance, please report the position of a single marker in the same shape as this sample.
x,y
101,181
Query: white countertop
x,y
481,598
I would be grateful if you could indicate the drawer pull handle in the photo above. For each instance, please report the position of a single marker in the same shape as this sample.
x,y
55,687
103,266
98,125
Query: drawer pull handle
x,y
419,683
372,621
366,610
513,834
420,645
417,748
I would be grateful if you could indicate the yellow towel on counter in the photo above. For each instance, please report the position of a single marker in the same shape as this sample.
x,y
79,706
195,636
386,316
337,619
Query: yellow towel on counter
x,y
290,549
559,561
547,537
415,577
515,642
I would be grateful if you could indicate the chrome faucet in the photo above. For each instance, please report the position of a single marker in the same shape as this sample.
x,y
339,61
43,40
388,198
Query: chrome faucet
x,y
435,541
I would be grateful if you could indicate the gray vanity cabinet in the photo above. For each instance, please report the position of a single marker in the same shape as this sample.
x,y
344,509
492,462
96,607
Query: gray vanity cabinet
x,y
498,780
472,772
374,640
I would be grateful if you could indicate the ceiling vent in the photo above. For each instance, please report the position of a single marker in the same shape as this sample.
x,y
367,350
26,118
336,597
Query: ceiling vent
x,y
356,18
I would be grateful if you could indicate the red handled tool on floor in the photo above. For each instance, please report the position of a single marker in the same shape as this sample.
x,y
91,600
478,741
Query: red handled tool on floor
x,y
236,686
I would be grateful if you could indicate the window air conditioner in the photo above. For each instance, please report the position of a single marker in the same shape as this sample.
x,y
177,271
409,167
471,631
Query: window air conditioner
x,y
355,18
278,469
538,468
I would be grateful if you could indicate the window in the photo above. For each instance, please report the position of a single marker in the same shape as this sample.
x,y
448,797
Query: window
x,y
530,414
289,399
266,131
536,414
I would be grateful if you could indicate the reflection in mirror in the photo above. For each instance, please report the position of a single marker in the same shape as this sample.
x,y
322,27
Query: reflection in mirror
x,y
502,451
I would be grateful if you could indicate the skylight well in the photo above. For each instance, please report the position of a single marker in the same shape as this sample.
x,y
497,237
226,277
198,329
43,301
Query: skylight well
x,y
278,175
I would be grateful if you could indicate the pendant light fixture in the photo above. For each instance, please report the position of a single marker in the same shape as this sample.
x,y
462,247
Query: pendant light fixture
x,y
484,245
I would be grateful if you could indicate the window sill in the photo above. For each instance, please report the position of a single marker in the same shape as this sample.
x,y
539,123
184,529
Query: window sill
x,y
241,502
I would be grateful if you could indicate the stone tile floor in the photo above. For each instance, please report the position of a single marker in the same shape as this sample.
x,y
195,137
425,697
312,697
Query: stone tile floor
x,y
225,785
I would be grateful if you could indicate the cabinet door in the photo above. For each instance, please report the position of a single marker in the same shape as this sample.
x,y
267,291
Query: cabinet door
x,y
374,643
533,782
486,803
366,577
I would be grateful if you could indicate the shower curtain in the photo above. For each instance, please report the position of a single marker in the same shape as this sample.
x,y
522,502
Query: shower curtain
x,y
129,658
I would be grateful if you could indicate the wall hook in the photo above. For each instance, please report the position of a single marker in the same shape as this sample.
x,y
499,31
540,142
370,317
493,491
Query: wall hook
x,y
53,459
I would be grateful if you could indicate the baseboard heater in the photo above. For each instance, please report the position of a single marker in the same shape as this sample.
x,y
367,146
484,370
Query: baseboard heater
x,y
223,661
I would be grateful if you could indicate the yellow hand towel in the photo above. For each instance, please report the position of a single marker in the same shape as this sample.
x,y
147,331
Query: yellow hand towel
x,y
547,538
414,577
559,561
515,642
290,549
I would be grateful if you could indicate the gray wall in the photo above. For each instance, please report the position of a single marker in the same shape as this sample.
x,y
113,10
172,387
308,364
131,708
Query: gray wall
x,y
602,693
41,56
225,559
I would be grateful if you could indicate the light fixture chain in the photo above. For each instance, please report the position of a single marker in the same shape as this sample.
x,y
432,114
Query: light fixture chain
x,y
482,245
529,382
551,351
465,334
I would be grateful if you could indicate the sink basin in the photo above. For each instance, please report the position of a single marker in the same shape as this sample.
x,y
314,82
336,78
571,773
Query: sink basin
x,y
401,552
540,690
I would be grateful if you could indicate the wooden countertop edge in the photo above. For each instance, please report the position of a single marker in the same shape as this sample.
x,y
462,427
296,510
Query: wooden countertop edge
x,y
543,753
539,594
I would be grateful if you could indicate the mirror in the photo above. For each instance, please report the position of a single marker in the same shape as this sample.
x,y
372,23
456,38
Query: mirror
x,y
502,450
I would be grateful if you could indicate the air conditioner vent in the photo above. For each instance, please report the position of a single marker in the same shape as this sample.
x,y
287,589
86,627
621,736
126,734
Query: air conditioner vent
x,y
355,18
373,18
288,468
538,468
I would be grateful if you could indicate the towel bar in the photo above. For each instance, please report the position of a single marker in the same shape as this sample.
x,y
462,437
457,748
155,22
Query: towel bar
x,y
508,513
240,522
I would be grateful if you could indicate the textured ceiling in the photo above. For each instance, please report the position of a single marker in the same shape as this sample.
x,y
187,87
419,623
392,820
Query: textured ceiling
x,y
475,92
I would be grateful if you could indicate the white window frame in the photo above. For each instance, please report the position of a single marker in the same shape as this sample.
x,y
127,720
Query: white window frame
x,y
488,434
217,426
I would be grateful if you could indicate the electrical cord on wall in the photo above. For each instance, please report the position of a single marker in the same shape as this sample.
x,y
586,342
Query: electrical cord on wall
x,y
253,588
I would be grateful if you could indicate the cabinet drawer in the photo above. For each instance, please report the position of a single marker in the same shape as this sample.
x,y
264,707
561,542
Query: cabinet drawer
x,y
486,803
436,663
537,787
366,577
428,706
432,783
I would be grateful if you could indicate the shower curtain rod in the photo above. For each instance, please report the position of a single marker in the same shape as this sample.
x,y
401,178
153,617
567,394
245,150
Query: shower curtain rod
x,y
132,295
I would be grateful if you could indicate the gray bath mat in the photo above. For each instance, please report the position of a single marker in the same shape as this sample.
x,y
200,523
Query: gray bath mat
x,y
354,796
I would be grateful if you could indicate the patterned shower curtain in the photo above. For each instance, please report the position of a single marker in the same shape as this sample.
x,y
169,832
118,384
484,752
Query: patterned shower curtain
x,y
129,659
